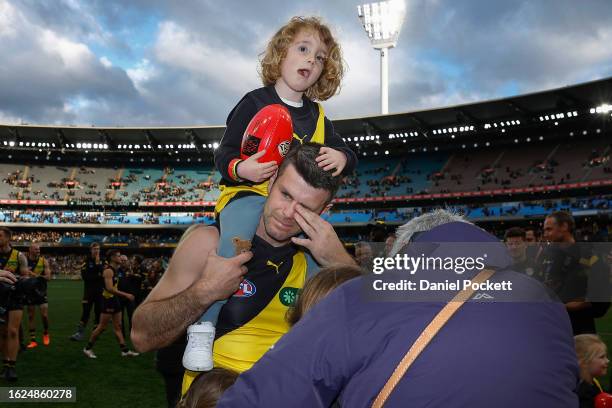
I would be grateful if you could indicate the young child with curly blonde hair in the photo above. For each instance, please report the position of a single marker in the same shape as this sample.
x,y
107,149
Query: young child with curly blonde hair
x,y
302,63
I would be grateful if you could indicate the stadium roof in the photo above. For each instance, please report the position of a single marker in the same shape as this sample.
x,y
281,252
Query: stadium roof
x,y
528,107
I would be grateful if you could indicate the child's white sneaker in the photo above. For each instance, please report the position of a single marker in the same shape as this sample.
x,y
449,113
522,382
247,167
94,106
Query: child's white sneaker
x,y
198,353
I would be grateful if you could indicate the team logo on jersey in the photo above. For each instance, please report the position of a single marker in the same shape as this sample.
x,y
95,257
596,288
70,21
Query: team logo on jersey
x,y
247,289
283,148
288,296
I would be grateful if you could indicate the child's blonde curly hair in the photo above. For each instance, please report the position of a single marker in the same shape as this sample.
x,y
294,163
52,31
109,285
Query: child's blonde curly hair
x,y
328,83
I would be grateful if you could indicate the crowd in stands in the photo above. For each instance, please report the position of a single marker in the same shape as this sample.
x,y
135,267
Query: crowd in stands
x,y
477,211
50,217
441,173
45,236
86,238
66,265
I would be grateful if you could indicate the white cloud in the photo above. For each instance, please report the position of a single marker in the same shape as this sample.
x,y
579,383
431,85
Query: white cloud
x,y
8,18
228,68
106,62
75,57
196,64
141,73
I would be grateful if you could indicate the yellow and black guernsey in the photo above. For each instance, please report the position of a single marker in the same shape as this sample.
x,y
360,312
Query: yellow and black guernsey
x,y
105,293
253,319
9,261
38,267
309,125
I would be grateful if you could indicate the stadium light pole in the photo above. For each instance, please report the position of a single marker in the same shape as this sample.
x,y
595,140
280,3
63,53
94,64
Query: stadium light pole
x,y
382,22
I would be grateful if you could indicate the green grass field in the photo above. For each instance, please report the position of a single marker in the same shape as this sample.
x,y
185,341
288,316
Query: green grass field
x,y
108,381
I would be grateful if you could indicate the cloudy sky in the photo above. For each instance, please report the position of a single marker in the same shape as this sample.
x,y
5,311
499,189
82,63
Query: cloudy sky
x,y
187,62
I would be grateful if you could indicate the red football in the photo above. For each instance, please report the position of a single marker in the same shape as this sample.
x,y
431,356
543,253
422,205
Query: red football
x,y
270,129
603,400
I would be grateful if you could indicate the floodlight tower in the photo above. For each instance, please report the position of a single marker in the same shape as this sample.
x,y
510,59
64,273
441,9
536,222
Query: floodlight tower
x,y
383,21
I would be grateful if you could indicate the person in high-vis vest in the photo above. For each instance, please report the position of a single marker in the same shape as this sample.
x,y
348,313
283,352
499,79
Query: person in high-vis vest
x,y
14,263
253,319
40,270
302,63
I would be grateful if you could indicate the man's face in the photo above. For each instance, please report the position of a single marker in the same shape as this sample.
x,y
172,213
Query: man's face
x,y
34,251
517,247
95,251
116,258
553,232
278,218
4,239
135,263
530,236
125,262
364,254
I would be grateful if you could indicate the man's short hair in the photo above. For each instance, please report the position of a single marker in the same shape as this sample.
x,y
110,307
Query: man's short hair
x,y
303,159
515,232
112,253
7,231
94,245
563,217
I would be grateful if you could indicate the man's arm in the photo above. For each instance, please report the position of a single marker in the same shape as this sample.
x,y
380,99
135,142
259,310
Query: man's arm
x,y
322,242
47,272
23,265
107,274
7,277
196,277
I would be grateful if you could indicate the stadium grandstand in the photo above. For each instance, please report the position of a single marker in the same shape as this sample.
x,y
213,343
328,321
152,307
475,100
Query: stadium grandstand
x,y
512,158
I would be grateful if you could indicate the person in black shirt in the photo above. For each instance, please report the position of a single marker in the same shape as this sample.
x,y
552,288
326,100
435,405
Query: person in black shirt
x,y
565,273
124,274
13,264
136,278
111,308
93,284
515,241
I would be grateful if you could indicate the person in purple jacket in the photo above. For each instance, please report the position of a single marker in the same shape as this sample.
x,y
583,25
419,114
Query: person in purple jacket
x,y
509,348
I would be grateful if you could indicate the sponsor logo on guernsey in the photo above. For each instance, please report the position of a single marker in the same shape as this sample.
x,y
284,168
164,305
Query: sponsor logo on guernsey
x,y
288,296
246,289
275,266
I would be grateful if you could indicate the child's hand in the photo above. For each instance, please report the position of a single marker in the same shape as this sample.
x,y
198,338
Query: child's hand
x,y
252,170
329,158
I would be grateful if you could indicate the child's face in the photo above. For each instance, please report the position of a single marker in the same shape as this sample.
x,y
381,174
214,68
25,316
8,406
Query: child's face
x,y
598,367
303,64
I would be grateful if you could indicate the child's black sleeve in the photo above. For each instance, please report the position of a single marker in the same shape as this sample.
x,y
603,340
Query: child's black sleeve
x,y
334,140
229,147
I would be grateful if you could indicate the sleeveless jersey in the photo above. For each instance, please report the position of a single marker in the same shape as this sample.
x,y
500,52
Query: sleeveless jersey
x,y
10,261
253,319
105,293
39,266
